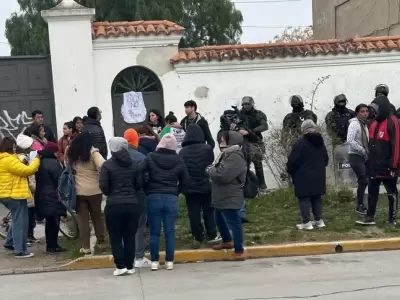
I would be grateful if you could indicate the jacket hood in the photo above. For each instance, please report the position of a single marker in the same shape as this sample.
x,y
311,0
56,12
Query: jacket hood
x,y
194,135
165,159
175,125
384,109
148,144
122,157
235,138
314,138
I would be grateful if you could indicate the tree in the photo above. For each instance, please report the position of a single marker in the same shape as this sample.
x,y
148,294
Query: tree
x,y
207,22
295,34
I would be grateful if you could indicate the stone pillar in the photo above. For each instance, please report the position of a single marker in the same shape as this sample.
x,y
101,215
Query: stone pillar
x,y
70,36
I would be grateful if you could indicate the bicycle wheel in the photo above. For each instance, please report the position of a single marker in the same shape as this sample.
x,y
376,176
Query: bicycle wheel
x,y
69,225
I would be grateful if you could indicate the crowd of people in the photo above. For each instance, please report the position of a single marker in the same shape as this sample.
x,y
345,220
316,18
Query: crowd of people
x,y
141,179
154,163
372,136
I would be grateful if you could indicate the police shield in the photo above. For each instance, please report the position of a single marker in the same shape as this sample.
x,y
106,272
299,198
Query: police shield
x,y
344,174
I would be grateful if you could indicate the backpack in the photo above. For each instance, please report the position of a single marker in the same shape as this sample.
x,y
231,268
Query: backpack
x,y
66,188
251,185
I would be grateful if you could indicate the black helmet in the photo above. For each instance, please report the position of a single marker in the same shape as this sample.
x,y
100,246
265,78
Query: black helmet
x,y
340,98
381,89
296,100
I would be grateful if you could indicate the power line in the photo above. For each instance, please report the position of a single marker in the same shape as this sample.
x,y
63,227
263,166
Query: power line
x,y
276,27
264,1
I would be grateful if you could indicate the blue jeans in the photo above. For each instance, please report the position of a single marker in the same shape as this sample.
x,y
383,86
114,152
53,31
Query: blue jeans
x,y
162,209
230,219
18,232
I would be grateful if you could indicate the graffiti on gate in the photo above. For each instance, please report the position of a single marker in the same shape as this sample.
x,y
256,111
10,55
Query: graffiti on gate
x,y
13,126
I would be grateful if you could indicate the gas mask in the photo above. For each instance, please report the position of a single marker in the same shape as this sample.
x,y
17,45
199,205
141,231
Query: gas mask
x,y
297,103
247,103
340,102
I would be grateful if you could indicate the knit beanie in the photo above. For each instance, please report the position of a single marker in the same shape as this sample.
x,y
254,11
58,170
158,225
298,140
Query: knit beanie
x,y
24,142
307,126
132,137
168,141
117,144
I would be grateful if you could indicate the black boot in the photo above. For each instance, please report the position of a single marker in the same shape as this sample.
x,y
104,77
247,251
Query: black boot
x,y
260,177
393,206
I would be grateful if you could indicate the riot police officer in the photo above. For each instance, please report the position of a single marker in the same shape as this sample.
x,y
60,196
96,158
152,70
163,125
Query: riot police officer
x,y
256,124
337,120
291,128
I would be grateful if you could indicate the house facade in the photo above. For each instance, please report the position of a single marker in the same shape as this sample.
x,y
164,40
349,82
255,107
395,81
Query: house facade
x,y
94,64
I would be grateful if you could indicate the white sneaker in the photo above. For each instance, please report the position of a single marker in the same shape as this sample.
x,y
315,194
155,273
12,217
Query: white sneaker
x,y
85,251
155,265
142,263
120,272
319,224
215,241
130,272
24,255
169,265
306,226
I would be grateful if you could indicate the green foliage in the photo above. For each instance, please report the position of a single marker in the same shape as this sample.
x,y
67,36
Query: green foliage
x,y
207,22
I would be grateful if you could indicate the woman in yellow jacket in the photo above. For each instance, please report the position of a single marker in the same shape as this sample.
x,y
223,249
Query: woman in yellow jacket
x,y
14,192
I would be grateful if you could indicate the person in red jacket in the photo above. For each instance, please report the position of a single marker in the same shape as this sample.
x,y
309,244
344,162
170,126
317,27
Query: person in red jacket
x,y
383,163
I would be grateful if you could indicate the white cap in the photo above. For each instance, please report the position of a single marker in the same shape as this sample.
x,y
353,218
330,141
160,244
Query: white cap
x,y
24,141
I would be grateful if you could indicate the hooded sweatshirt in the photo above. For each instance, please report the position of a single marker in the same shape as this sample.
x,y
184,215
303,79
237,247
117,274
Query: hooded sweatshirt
x,y
120,178
357,138
177,130
384,141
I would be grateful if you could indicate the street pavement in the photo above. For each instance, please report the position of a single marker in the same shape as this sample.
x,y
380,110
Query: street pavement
x,y
356,276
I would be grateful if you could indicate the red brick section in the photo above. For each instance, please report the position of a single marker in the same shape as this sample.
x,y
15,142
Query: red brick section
x,y
136,28
293,49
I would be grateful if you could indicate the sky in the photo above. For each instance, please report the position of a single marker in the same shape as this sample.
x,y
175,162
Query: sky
x,y
263,19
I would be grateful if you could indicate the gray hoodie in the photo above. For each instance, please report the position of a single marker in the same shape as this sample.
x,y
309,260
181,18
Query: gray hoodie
x,y
357,140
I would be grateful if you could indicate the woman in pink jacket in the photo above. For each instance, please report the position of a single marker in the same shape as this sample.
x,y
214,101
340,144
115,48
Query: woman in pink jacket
x,y
37,134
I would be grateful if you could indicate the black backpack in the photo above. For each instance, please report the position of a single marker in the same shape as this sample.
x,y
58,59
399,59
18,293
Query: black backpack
x,y
251,185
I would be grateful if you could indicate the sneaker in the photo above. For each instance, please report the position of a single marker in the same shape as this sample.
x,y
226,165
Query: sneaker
x,y
142,263
8,248
319,223
120,272
33,240
56,250
130,272
223,246
392,223
24,255
214,241
367,222
85,251
169,265
361,209
155,265
305,226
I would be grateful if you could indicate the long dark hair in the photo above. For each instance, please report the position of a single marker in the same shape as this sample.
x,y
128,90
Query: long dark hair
x,y
7,145
35,130
79,150
171,118
74,121
147,130
161,121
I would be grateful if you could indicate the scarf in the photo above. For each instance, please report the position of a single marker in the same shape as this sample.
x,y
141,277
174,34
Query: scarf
x,y
364,135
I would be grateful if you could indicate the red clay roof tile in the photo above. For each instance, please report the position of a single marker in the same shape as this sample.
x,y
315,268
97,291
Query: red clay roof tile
x,y
273,50
135,28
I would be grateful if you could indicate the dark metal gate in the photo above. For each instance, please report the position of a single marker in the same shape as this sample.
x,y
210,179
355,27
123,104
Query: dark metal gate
x,y
25,85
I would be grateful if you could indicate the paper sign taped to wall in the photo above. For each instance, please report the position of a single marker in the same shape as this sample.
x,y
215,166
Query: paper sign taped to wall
x,y
133,109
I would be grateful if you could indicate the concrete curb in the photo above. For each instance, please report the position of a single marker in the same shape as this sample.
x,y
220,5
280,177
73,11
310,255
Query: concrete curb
x,y
20,271
207,255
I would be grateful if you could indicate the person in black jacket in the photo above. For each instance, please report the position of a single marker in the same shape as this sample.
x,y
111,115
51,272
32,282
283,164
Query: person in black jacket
x,y
165,175
37,118
120,181
197,156
46,203
148,139
92,124
383,163
192,116
306,165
